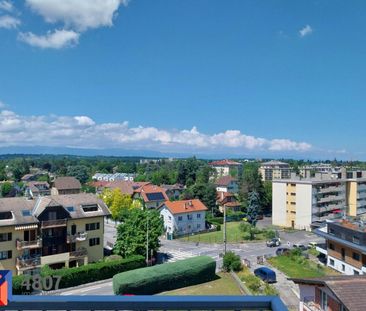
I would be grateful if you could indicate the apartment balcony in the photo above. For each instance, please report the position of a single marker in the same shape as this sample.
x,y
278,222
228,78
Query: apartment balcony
x,y
28,244
328,208
361,187
27,263
331,189
79,237
81,253
361,195
331,198
54,223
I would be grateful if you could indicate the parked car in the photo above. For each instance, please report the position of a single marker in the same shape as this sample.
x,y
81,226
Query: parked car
x,y
266,274
312,244
282,250
274,242
302,247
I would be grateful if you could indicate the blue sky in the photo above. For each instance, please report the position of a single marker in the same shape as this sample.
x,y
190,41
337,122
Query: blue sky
x,y
269,78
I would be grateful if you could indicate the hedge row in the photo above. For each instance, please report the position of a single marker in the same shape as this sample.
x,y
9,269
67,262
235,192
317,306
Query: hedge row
x,y
85,274
152,280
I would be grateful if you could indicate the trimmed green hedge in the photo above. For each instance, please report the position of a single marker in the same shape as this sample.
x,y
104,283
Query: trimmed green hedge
x,y
17,284
156,279
95,271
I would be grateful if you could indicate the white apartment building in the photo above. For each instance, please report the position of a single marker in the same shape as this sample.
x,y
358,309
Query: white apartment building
x,y
183,217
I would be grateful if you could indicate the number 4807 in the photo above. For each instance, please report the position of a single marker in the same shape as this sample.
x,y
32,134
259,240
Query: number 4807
x,y
36,282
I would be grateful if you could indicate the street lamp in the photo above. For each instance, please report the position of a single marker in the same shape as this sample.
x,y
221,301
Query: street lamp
x,y
147,239
224,229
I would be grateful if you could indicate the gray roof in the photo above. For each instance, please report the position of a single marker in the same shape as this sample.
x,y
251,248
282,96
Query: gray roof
x,y
66,183
36,207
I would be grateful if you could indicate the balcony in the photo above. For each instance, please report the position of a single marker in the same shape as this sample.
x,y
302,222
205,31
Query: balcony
x,y
311,305
331,198
33,302
54,223
27,263
79,253
331,189
28,244
79,237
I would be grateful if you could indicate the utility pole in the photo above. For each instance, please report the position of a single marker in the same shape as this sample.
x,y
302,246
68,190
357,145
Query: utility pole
x,y
224,230
147,239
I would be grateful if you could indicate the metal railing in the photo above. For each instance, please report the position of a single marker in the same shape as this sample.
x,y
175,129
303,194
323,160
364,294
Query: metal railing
x,y
22,263
54,223
270,303
28,244
79,253
78,237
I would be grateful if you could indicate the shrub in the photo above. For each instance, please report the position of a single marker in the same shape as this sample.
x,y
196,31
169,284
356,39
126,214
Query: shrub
x,y
17,284
270,234
94,271
218,227
253,283
152,280
270,290
231,262
215,220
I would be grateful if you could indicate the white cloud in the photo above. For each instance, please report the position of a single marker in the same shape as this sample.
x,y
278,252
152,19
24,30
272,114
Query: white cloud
x,y
9,22
55,40
305,31
78,14
6,6
2,105
82,131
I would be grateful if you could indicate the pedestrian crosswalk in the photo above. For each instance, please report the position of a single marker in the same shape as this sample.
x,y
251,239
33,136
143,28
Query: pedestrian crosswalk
x,y
175,255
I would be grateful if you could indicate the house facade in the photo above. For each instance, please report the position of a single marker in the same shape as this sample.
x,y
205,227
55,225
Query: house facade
x,y
183,217
152,196
227,200
66,185
57,230
227,184
227,167
37,188
274,170
173,191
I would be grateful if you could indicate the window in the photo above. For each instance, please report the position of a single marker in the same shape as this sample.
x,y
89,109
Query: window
x,y
92,226
90,208
324,301
198,226
94,241
70,209
293,185
356,256
180,218
170,217
5,255
26,213
356,240
189,217
6,215
293,193
331,231
331,246
343,252
293,212
5,237
293,203
355,272
52,215
343,268
198,215
331,262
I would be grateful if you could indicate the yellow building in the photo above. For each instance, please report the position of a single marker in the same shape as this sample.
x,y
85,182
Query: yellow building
x,y
274,170
356,197
57,230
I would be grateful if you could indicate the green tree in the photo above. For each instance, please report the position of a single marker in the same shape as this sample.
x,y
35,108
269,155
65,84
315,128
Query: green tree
x,y
80,172
119,204
253,208
132,233
231,262
6,188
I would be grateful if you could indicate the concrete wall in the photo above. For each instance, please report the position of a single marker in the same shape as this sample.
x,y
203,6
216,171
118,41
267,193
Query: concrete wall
x,y
303,206
279,204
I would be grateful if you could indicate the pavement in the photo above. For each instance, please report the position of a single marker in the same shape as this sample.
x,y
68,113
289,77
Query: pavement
x,y
178,250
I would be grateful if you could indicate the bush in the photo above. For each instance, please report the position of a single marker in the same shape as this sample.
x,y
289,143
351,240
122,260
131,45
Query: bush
x,y
253,283
215,220
152,280
231,262
270,234
17,284
94,271
218,227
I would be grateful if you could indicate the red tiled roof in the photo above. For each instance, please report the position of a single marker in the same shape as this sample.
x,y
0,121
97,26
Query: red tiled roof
x,y
185,206
67,183
224,180
224,163
150,189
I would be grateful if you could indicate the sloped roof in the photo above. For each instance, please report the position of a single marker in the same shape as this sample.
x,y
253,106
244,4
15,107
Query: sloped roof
x,y
67,183
126,186
151,193
224,180
16,206
224,163
185,206
349,289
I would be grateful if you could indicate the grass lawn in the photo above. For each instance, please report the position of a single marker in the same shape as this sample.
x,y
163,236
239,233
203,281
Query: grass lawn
x,y
233,235
223,285
295,269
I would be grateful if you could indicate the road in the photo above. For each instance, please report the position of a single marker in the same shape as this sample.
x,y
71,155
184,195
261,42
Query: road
x,y
177,250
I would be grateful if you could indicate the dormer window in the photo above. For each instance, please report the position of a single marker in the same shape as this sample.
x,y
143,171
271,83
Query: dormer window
x,y
6,215
26,213
90,208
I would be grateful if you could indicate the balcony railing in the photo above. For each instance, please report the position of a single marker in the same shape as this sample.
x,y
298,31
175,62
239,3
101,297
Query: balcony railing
x,y
28,244
23,263
28,302
79,253
310,303
79,237
54,223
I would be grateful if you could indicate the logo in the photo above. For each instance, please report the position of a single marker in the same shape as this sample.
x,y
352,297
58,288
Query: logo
x,y
5,287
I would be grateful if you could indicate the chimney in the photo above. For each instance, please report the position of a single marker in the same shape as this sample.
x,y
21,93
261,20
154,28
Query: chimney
x,y
222,195
190,203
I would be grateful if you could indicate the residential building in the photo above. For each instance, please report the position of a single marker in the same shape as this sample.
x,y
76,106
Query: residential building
x,y
345,246
227,184
126,187
113,177
308,171
183,217
173,191
356,196
227,200
301,203
37,188
57,230
28,177
332,293
152,196
227,167
66,185
274,170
